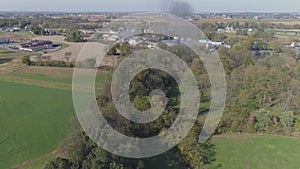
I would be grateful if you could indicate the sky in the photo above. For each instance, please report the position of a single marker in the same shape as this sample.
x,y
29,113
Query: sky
x,y
150,5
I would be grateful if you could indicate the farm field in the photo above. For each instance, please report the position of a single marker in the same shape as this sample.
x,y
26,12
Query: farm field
x,y
72,47
16,36
257,151
28,108
35,99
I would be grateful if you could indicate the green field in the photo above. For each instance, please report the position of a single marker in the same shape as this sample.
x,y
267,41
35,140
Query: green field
x,y
36,108
257,152
33,120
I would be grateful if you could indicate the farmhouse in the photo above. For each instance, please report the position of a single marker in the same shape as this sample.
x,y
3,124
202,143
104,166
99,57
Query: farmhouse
x,y
36,45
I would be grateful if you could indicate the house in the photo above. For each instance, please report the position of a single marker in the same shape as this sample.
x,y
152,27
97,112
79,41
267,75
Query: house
x,y
213,44
220,30
218,43
132,42
110,37
14,29
295,45
229,29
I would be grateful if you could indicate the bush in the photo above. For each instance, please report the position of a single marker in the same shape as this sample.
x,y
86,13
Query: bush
x,y
26,60
297,126
263,119
53,63
88,63
287,119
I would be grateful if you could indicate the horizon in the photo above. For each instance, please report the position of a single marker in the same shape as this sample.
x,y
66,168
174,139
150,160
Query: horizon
x,y
100,11
199,6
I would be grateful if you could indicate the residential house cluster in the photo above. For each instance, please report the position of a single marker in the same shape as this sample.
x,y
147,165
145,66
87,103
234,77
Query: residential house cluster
x,y
86,34
109,35
228,29
14,28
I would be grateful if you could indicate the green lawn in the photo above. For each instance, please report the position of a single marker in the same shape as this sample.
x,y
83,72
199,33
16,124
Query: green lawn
x,y
257,152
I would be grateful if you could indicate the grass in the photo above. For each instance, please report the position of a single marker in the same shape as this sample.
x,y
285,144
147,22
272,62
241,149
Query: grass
x,y
4,53
63,46
60,78
33,120
259,152
41,163
286,34
36,107
16,36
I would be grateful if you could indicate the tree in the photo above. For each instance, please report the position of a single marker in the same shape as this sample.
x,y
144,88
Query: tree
x,y
68,56
26,60
141,103
60,163
242,32
74,36
114,49
125,49
195,154
74,147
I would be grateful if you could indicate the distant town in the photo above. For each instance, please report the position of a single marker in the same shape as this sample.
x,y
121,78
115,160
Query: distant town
x,y
91,27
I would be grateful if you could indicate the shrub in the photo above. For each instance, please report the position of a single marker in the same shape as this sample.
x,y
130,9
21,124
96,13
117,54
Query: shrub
x,y
263,119
287,119
297,126
26,60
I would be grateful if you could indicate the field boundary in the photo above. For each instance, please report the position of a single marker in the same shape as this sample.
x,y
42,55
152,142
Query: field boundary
x,y
27,163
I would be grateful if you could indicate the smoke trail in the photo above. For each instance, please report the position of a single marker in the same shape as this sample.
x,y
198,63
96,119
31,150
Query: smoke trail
x,y
180,8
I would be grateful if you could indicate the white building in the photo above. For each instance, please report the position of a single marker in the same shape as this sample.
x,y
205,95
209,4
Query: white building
x,y
295,45
229,29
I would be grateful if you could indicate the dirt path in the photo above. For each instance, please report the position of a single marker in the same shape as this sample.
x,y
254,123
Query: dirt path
x,y
29,162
